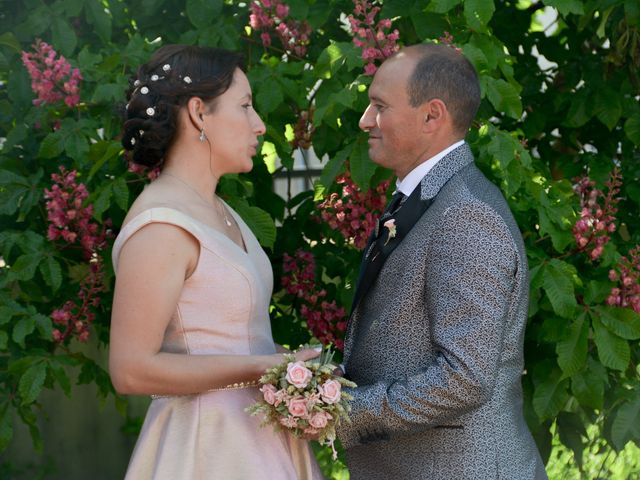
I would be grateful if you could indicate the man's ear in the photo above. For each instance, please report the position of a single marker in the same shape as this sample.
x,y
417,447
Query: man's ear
x,y
435,115
196,110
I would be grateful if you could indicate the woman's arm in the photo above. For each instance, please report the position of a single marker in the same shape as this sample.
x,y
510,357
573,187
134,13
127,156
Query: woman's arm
x,y
152,268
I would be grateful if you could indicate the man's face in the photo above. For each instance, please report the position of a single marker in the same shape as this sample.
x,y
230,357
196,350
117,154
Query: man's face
x,y
394,126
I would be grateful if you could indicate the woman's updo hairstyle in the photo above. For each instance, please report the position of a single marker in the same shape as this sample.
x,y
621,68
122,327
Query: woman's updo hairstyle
x,y
173,75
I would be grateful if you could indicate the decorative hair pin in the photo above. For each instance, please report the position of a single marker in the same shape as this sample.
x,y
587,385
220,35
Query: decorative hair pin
x,y
144,90
151,111
166,67
133,141
186,79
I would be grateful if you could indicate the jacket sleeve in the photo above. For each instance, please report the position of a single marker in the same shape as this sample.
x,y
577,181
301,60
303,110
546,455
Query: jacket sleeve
x,y
469,288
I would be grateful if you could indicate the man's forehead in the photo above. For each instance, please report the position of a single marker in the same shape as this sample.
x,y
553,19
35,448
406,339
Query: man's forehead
x,y
392,73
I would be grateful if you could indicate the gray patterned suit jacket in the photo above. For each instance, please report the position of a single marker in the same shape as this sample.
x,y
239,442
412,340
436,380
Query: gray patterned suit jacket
x,y
436,343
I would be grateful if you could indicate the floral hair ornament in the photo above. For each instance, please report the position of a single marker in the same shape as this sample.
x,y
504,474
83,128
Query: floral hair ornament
x,y
186,79
151,111
144,90
391,226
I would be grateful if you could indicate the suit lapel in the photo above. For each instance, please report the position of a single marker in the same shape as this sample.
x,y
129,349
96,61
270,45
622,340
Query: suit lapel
x,y
380,247
414,207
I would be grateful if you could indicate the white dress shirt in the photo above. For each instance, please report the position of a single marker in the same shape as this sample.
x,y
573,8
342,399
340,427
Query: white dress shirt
x,y
408,184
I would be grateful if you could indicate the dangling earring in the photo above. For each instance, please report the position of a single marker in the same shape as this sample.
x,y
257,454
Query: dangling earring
x,y
202,135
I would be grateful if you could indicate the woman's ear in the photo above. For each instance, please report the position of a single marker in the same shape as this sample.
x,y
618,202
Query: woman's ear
x,y
196,110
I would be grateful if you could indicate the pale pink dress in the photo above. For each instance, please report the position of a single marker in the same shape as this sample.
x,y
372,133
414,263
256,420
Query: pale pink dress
x,y
223,309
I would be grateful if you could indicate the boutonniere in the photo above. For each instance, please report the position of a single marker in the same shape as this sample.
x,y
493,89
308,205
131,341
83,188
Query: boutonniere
x,y
391,226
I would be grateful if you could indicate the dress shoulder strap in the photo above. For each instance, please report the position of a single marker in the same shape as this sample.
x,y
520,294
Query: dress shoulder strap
x,y
155,215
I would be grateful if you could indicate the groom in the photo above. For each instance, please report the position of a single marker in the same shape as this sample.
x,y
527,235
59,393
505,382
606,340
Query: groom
x,y
435,338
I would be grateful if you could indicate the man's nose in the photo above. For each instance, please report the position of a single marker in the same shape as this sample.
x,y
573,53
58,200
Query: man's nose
x,y
367,120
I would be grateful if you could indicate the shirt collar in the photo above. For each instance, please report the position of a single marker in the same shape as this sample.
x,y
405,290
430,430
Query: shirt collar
x,y
415,176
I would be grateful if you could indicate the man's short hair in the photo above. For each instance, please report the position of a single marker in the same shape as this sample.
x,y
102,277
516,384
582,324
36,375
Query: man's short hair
x,y
444,73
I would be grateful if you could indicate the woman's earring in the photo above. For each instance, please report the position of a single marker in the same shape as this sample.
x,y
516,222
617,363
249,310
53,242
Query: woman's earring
x,y
202,135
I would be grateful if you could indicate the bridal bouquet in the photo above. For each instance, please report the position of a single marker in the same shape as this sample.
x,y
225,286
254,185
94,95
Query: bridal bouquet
x,y
304,398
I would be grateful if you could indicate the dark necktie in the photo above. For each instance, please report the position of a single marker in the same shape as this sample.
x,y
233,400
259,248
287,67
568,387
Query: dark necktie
x,y
394,204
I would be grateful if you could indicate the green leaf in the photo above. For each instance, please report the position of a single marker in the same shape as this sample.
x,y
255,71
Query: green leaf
x,y
333,166
64,36
478,13
121,193
4,340
51,272
632,128
596,292
61,377
557,282
626,424
106,150
23,327
202,13
334,57
13,189
76,146
624,322
442,6
503,96
360,165
52,145
502,148
613,351
608,107
31,382
15,137
550,397
588,385
44,325
6,425
73,7
108,93
270,96
97,16
9,39
102,201
476,56
579,112
25,266
565,7
572,351
259,221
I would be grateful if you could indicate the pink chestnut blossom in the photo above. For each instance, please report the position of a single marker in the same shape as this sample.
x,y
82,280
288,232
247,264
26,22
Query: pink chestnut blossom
x,y
597,214
370,36
52,79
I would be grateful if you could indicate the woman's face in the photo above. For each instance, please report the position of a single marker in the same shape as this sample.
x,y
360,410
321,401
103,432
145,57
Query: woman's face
x,y
233,128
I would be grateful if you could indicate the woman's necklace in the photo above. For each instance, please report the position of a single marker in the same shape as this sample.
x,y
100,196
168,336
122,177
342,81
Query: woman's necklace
x,y
221,208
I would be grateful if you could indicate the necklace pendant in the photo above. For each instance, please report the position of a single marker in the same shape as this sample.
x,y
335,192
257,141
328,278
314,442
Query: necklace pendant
x,y
227,221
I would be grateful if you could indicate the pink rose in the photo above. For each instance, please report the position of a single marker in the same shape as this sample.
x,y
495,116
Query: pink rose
x,y
330,391
298,406
319,419
298,375
269,393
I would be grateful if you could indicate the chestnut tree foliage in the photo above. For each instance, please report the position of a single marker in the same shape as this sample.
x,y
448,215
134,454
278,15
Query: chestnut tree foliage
x,y
558,130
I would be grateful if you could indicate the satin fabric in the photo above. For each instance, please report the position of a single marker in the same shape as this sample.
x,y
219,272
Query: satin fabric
x,y
223,309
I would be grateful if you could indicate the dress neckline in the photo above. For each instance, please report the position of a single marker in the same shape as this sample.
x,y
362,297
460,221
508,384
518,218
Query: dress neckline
x,y
219,233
